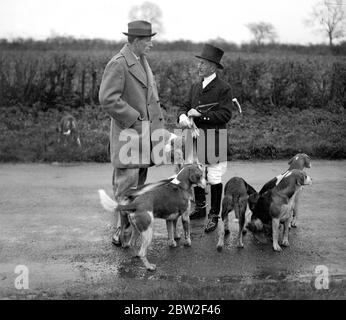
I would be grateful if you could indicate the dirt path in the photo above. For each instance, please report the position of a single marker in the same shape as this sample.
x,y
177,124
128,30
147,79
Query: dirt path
x,y
51,222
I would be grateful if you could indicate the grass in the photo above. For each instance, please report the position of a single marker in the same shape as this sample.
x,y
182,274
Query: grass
x,y
29,134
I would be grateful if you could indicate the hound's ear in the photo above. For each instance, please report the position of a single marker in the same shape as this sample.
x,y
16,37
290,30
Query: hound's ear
x,y
195,176
296,157
301,178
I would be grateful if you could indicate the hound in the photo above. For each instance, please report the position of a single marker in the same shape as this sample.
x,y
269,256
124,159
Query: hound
x,y
299,161
167,201
238,194
275,206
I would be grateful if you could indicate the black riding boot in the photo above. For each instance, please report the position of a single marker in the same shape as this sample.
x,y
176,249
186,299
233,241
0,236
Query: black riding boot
x,y
213,216
200,204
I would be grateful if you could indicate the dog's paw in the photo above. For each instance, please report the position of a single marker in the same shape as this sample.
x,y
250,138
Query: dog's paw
x,y
277,248
240,245
177,237
220,245
187,242
285,243
172,243
151,267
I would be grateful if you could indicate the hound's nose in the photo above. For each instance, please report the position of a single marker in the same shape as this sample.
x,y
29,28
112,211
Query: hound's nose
x,y
308,180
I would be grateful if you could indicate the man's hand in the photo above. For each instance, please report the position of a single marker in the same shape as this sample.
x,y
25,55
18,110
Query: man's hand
x,y
184,121
193,113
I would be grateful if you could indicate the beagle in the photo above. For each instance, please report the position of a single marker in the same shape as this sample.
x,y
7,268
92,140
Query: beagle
x,y
275,206
299,161
237,195
68,130
167,201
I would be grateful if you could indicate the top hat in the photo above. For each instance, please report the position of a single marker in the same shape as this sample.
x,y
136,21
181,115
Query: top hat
x,y
139,28
212,54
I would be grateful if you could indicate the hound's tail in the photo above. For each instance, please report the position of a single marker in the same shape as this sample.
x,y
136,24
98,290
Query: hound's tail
x,y
106,202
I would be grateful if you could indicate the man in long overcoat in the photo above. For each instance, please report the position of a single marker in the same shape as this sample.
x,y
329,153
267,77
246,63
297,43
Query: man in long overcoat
x,y
128,93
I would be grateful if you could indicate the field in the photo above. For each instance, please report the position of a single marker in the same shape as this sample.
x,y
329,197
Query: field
x,y
292,102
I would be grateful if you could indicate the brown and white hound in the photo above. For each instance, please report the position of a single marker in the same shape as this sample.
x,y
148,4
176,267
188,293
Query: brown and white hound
x,y
167,201
299,161
275,206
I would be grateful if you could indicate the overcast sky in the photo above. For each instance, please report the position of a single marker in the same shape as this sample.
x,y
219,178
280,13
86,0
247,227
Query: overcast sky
x,y
197,20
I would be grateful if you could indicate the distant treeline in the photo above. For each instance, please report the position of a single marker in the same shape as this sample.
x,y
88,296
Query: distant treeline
x,y
70,43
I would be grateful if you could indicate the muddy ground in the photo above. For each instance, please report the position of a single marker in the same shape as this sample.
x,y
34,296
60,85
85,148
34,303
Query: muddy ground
x,y
52,223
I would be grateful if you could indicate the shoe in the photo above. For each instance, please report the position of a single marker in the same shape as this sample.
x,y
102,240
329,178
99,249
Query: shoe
x,y
211,224
200,212
116,238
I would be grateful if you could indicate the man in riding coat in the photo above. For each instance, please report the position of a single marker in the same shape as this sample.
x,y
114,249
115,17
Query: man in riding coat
x,y
209,108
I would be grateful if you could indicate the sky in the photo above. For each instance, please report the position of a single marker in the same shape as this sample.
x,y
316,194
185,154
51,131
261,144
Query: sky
x,y
196,20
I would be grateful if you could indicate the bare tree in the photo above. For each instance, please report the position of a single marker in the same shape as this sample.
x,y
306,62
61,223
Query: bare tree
x,y
150,12
330,17
262,32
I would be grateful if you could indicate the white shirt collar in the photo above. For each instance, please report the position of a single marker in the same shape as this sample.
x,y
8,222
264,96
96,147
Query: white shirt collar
x,y
209,79
136,56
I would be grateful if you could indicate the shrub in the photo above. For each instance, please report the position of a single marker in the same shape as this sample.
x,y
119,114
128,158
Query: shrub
x,y
72,78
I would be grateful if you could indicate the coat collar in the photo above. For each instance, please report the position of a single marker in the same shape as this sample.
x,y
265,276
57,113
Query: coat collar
x,y
134,65
210,85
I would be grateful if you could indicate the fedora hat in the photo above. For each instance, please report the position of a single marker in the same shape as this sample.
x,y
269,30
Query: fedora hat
x,y
139,28
212,54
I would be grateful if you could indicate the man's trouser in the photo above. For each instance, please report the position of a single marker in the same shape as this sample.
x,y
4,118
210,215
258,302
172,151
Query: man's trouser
x,y
124,179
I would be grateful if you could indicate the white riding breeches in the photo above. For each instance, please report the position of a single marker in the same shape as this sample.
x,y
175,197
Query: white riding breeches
x,y
214,172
